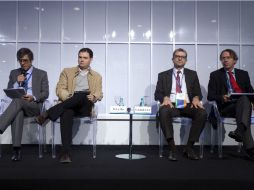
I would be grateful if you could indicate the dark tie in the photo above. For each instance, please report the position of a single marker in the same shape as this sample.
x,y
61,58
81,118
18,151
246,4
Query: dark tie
x,y
178,86
25,83
233,83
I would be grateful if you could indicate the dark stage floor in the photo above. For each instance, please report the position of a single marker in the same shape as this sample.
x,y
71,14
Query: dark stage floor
x,y
234,171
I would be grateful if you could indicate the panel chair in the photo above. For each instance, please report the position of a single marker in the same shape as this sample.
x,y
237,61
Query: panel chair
x,y
220,125
183,121
92,121
41,131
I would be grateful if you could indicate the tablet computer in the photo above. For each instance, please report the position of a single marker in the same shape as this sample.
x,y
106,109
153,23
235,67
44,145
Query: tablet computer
x,y
15,93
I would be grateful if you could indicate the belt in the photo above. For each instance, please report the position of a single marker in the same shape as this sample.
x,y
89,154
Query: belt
x,y
82,92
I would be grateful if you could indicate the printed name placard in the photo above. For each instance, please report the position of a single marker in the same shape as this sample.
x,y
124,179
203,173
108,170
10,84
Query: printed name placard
x,y
118,109
142,110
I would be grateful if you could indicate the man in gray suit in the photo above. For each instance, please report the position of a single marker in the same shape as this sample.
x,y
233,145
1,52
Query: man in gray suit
x,y
35,82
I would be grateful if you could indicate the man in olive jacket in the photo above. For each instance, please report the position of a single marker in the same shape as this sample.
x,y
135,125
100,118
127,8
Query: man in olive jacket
x,y
77,89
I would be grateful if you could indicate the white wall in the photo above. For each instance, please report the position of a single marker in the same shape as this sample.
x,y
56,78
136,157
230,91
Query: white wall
x,y
132,41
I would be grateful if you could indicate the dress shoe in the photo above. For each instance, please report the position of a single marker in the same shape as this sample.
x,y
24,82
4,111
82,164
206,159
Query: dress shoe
x,y
236,136
16,155
250,153
40,119
65,158
190,154
172,156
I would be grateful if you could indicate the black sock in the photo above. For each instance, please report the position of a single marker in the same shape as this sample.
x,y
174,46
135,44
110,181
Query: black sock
x,y
16,148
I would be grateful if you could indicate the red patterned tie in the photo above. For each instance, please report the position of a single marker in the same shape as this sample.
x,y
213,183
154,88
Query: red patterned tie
x,y
178,87
233,83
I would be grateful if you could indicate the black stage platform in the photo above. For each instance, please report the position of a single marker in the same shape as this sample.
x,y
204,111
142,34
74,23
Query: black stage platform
x,y
234,171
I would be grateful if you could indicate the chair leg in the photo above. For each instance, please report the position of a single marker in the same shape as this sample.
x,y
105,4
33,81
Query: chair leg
x,y
212,140
201,146
201,151
239,147
160,143
53,140
0,147
220,140
44,139
40,141
94,125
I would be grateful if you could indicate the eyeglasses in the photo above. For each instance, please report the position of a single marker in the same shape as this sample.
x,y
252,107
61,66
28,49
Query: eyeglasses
x,y
178,57
23,60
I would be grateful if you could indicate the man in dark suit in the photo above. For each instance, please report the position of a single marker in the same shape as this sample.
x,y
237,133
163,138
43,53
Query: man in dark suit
x,y
35,82
174,87
230,79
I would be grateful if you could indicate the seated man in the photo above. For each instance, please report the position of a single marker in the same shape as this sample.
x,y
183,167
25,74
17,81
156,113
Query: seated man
x,y
180,85
230,79
78,89
35,82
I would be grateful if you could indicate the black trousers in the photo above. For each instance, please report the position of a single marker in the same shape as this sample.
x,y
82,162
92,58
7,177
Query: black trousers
x,y
240,109
77,105
198,116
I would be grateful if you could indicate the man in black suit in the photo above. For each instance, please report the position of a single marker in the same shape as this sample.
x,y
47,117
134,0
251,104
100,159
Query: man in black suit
x,y
230,79
35,82
174,87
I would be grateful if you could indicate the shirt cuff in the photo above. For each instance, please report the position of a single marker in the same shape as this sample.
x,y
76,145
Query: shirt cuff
x,y
16,85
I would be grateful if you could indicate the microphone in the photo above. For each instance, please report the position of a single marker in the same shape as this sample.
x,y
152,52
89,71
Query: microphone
x,y
23,72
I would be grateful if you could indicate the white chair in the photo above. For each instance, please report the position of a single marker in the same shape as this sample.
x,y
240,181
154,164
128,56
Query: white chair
x,y
41,131
183,121
92,121
220,125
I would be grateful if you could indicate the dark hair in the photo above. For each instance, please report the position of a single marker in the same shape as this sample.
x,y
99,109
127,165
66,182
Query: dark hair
x,y
179,49
231,52
25,51
88,50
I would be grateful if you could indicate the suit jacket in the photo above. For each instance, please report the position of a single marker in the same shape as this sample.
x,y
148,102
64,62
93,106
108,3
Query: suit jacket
x,y
66,84
164,84
40,84
217,86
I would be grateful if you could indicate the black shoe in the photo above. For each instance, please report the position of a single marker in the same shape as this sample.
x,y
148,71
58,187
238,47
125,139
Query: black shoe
x,y
236,136
172,156
190,154
250,153
16,155
65,158
40,119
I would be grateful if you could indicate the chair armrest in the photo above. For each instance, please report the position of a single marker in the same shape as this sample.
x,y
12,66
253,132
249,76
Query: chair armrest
x,y
158,104
45,106
94,112
215,108
4,104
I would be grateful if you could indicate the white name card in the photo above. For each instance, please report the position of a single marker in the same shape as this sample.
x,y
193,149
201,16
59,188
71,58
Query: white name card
x,y
118,109
143,110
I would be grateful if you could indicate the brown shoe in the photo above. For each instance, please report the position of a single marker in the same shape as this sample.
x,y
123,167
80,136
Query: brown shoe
x,y
40,119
